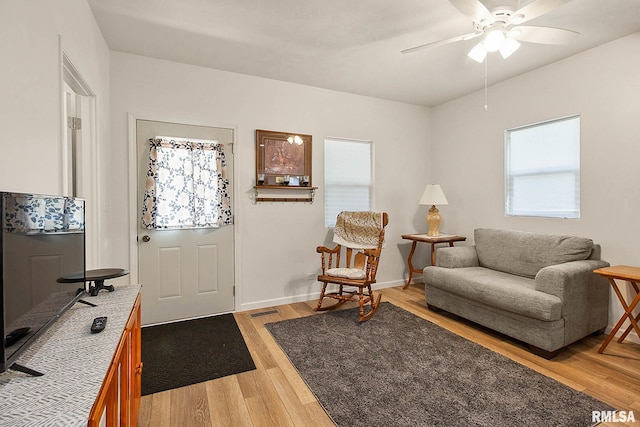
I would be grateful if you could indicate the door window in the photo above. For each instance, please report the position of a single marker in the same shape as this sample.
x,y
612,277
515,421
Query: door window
x,y
187,185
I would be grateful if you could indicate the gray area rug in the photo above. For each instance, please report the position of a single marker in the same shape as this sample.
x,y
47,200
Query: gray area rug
x,y
400,370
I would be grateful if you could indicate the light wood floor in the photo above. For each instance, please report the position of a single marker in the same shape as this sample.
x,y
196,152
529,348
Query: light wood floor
x,y
275,395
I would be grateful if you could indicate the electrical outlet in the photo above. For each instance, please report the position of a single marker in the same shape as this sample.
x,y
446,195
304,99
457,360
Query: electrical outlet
x,y
311,276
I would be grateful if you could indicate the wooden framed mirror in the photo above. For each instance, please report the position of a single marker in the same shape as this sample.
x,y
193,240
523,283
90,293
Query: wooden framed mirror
x,y
283,159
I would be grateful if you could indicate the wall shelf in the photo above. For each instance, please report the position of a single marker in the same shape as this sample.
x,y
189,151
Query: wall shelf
x,y
287,189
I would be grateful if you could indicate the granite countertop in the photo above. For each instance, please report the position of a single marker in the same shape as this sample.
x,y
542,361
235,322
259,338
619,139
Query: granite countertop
x,y
74,362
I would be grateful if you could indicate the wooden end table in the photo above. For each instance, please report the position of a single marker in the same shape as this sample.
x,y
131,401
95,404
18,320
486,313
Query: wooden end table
x,y
631,275
433,240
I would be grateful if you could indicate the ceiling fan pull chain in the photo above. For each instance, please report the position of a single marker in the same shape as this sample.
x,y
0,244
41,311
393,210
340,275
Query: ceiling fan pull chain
x,y
486,78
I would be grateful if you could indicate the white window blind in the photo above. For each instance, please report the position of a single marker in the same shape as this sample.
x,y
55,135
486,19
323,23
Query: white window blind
x,y
542,169
348,182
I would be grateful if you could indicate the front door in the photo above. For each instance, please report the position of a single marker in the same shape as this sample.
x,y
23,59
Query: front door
x,y
184,273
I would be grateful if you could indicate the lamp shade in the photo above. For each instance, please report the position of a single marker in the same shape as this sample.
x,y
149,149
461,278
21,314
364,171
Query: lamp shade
x,y
433,195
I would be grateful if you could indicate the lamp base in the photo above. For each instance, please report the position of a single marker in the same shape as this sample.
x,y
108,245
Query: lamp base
x,y
433,222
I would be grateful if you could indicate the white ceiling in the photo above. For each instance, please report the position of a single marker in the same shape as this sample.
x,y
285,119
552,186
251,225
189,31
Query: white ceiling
x,y
348,45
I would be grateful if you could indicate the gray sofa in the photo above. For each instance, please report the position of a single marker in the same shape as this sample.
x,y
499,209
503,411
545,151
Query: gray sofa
x,y
536,288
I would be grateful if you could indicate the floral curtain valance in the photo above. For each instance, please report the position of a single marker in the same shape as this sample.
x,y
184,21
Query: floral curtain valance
x,y
186,185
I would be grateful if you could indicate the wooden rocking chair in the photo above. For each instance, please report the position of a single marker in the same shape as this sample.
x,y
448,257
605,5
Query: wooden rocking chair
x,y
358,272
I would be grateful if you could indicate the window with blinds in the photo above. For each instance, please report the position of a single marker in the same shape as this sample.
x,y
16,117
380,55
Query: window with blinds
x,y
348,177
542,169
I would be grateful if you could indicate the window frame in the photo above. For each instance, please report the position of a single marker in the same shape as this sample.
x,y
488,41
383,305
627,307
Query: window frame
x,y
548,171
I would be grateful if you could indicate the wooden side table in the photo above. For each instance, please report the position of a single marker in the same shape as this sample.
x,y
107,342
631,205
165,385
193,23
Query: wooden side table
x,y
415,238
631,275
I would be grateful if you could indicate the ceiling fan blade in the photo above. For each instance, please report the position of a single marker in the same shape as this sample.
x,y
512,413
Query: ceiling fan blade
x,y
473,9
543,35
442,42
537,8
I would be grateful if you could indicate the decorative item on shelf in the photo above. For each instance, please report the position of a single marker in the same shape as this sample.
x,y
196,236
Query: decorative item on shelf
x,y
280,154
283,167
433,196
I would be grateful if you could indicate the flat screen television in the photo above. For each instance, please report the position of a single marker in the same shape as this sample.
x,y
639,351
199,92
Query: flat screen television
x,y
42,240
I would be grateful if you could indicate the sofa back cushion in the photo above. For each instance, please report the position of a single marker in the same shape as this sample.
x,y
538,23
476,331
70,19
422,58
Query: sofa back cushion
x,y
523,253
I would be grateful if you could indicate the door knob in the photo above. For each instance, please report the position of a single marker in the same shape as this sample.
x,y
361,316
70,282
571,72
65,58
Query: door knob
x,y
146,238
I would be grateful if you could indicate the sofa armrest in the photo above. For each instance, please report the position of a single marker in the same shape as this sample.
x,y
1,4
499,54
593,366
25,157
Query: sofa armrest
x,y
457,257
584,295
562,280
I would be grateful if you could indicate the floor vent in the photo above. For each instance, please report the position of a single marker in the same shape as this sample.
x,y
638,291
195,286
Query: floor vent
x,y
264,313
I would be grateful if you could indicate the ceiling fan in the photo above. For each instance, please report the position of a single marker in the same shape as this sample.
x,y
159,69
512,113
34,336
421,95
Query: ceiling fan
x,y
500,29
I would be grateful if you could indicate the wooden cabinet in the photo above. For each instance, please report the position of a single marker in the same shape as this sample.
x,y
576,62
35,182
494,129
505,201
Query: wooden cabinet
x,y
119,397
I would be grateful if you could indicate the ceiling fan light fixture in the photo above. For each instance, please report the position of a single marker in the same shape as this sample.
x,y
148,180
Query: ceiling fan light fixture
x,y
509,47
494,40
478,53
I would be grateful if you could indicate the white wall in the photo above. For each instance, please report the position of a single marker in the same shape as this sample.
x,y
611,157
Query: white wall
x,y
30,85
601,85
275,241
457,144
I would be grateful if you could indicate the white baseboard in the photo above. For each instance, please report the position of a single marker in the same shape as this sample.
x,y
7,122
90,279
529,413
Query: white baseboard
x,y
278,301
633,337
305,297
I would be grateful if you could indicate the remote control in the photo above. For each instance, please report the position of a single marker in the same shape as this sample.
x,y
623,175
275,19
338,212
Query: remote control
x,y
98,324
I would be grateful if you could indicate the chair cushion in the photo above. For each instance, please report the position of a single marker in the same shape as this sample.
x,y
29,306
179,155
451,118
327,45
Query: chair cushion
x,y
348,273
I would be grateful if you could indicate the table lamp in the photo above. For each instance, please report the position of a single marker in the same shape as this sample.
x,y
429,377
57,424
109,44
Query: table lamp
x,y
433,196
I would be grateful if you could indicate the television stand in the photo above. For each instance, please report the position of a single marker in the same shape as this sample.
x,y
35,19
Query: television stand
x,y
25,370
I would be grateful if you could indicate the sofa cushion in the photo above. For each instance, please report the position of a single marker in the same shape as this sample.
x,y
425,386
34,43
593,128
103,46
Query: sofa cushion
x,y
524,254
504,291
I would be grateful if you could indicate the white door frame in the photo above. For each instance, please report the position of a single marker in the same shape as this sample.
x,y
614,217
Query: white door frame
x,y
91,170
133,196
